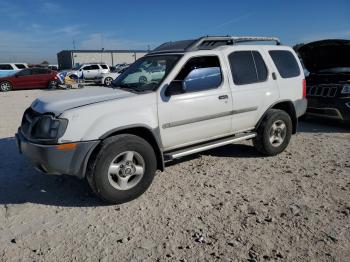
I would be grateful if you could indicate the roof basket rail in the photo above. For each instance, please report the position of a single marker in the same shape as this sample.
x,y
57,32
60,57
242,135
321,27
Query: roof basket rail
x,y
210,42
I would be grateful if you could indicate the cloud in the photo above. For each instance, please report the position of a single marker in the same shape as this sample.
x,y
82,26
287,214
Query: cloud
x,y
233,21
68,30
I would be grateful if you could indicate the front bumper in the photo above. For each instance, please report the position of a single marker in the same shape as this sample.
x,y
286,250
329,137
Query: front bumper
x,y
52,160
334,108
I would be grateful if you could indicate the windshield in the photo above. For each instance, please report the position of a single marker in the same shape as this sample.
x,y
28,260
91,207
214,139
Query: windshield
x,y
147,73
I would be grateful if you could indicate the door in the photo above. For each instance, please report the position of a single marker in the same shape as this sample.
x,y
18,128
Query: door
x,y
41,77
91,71
196,106
253,88
24,79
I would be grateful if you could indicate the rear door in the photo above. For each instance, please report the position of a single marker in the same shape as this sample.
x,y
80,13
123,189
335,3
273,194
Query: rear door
x,y
289,73
41,77
94,71
253,86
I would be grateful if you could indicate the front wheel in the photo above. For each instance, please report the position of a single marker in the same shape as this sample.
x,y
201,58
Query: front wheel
x,y
53,84
274,133
5,86
123,169
108,81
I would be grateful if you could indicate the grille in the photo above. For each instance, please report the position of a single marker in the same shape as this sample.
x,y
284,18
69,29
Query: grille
x,y
322,90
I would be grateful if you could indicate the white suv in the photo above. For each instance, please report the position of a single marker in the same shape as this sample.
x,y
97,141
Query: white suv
x,y
89,71
212,92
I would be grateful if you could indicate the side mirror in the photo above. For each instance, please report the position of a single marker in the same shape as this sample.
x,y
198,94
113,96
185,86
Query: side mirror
x,y
176,87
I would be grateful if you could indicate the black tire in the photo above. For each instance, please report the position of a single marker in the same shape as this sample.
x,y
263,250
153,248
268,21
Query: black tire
x,y
5,86
266,133
53,84
99,178
108,81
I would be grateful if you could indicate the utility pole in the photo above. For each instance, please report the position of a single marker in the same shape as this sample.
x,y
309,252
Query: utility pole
x,y
73,44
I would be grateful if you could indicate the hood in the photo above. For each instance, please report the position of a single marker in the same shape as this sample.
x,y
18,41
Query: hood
x,y
325,54
58,103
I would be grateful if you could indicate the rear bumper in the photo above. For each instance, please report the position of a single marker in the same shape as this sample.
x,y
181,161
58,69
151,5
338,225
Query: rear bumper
x,y
300,107
334,108
51,160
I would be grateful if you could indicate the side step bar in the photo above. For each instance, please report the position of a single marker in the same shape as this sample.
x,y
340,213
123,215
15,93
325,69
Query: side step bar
x,y
168,156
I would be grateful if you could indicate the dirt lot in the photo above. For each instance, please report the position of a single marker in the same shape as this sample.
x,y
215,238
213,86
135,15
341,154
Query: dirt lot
x,y
227,204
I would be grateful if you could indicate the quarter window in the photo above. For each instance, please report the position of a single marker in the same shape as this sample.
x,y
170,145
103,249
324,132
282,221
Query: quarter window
x,y
201,73
104,66
20,66
247,67
285,62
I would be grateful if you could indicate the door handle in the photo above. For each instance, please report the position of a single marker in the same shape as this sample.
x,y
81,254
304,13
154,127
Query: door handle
x,y
274,77
223,97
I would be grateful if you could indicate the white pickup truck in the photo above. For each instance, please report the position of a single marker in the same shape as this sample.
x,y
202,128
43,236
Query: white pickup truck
x,y
212,91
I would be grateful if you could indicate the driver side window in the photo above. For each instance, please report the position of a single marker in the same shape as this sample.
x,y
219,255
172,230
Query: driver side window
x,y
200,74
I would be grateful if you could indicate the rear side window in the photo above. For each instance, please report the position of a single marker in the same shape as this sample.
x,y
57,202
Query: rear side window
x,y
40,71
285,62
104,66
94,67
247,67
20,66
201,73
6,67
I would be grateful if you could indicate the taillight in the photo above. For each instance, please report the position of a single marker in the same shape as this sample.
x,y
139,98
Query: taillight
x,y
304,88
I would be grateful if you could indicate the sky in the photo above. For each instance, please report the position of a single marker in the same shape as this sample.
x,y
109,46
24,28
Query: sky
x,y
36,30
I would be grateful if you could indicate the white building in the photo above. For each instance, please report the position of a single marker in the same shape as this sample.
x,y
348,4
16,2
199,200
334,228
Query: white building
x,y
67,59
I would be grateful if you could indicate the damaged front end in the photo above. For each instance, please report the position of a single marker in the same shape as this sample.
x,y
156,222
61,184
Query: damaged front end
x,y
328,84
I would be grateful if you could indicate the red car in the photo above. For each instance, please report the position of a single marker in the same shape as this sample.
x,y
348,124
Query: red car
x,y
29,78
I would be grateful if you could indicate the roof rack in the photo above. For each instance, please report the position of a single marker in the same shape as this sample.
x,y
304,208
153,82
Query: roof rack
x,y
209,43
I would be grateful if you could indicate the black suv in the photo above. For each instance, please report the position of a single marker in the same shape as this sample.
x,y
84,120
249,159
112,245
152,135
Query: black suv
x,y
328,84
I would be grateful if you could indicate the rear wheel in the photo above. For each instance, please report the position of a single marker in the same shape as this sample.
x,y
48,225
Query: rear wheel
x,y
108,81
5,86
274,133
124,169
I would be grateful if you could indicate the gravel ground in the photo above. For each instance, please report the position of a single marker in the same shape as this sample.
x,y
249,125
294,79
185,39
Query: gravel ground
x,y
227,204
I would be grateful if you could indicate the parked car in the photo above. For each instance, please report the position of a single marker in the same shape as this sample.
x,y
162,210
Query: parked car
x,y
328,82
211,92
9,68
89,71
29,78
107,78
